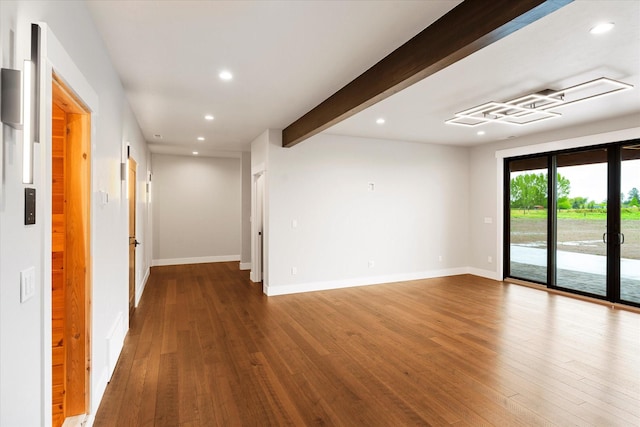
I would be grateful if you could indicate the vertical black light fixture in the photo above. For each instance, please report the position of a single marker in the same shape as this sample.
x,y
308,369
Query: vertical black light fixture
x,y
31,105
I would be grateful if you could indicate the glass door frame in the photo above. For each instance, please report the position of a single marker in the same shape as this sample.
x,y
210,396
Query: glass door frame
x,y
613,234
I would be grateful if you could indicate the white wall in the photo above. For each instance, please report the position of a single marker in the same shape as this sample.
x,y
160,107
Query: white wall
x,y
485,190
139,151
245,256
196,209
25,335
259,163
325,221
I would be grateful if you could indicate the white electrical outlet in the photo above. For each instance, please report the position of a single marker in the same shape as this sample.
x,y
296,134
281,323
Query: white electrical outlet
x,y
489,259
294,223
488,220
294,271
27,284
372,263
440,258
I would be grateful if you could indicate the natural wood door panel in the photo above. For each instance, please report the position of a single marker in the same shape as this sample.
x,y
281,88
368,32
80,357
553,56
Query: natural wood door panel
x,y
58,276
71,267
77,253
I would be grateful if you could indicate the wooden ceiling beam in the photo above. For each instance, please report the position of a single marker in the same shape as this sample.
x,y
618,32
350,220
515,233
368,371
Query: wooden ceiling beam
x,y
467,28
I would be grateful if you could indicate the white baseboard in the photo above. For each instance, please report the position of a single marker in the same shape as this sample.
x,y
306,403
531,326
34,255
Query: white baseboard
x,y
487,274
272,290
196,260
88,421
245,266
115,341
76,421
97,393
142,286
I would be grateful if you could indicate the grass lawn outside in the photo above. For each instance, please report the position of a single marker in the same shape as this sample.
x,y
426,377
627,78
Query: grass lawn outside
x,y
579,230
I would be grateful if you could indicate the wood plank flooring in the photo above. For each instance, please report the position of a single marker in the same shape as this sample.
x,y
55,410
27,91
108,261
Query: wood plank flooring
x,y
207,348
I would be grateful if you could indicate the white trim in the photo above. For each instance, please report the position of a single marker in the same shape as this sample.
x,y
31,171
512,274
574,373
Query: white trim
x,y
258,169
55,58
75,421
88,421
362,281
66,70
258,243
563,144
96,397
196,260
245,266
115,341
140,289
487,274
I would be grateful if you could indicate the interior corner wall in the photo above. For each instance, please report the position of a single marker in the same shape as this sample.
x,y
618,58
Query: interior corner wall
x,y
25,378
485,190
196,205
346,211
139,151
260,165
245,255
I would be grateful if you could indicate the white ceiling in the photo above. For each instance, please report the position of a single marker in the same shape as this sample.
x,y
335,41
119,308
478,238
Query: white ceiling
x,y
553,53
288,56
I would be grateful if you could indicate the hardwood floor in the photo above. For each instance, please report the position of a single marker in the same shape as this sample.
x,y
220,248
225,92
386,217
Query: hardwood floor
x,y
206,348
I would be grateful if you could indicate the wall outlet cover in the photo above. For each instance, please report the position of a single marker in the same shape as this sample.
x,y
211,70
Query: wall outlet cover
x,y
27,284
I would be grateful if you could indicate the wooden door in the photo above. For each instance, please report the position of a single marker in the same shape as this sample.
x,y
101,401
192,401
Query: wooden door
x,y
132,234
258,255
71,254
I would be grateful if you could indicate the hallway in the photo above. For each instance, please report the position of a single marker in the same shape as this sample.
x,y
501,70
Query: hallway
x,y
207,348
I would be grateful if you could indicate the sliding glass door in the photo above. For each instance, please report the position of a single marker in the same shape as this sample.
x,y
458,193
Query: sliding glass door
x,y
630,224
572,221
581,221
528,219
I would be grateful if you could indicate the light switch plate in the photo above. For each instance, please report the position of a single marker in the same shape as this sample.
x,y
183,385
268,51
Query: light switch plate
x,y
27,284
29,206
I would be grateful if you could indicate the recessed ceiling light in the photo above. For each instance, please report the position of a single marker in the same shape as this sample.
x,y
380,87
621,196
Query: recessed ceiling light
x,y
602,28
225,75
201,138
208,117
380,121
481,132
195,153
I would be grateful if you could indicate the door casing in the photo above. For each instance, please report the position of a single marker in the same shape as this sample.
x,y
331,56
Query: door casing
x,y
131,194
76,228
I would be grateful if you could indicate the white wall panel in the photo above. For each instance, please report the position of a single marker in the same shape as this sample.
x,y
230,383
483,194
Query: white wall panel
x,y
77,54
196,208
363,210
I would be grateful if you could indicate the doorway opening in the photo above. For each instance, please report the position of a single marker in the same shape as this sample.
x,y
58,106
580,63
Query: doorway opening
x,y
257,264
131,193
70,254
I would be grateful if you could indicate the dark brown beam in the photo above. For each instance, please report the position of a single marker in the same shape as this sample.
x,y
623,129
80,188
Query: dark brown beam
x,y
467,28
